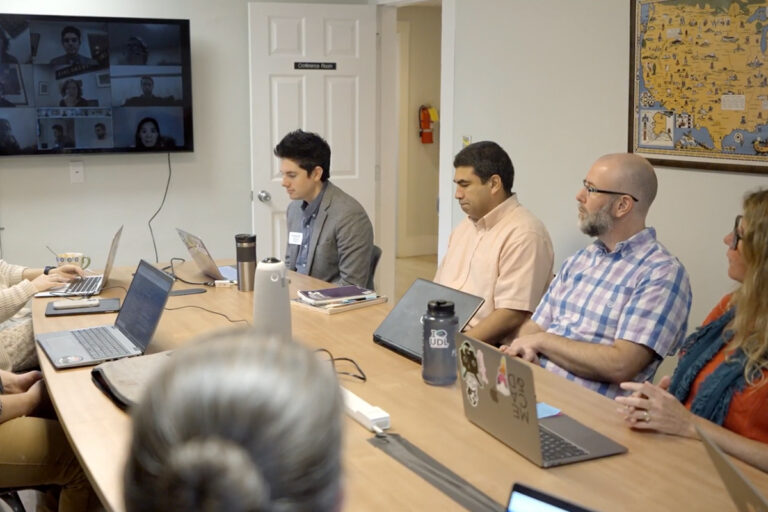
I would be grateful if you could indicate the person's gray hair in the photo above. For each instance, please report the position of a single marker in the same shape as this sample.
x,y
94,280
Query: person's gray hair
x,y
238,423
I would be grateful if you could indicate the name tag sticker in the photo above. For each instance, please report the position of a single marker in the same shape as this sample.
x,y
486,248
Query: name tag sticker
x,y
295,237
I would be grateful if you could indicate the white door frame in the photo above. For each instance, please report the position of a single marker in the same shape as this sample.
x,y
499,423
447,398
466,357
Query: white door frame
x,y
386,214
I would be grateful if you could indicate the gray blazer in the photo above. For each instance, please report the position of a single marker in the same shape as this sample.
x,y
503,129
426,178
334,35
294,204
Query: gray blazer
x,y
342,239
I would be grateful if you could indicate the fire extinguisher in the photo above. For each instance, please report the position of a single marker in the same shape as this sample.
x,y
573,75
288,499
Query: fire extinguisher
x,y
425,125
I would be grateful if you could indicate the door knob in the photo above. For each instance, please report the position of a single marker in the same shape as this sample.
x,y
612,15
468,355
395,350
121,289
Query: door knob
x,y
264,196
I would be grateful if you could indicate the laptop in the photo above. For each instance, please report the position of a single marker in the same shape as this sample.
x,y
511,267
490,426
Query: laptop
x,y
88,285
743,493
202,257
129,336
499,397
402,329
525,499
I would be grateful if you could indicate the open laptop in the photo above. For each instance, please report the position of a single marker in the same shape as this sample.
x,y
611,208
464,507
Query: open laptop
x,y
129,336
202,257
402,329
499,397
525,499
88,285
743,493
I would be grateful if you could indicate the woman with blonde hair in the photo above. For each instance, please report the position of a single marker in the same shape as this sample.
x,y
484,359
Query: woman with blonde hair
x,y
719,384
238,423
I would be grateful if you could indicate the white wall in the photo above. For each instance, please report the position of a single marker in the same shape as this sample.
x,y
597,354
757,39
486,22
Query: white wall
x,y
210,189
548,80
419,163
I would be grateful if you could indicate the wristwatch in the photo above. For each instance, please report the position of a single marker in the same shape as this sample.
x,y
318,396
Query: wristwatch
x,y
47,269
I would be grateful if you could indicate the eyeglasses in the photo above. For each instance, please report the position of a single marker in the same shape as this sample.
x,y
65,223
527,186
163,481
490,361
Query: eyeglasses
x,y
736,236
592,189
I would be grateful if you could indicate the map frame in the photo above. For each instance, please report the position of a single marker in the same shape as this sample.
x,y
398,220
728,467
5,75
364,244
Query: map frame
x,y
679,107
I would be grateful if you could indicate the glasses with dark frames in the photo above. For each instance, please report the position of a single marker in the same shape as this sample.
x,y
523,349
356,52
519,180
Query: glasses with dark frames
x,y
592,189
736,236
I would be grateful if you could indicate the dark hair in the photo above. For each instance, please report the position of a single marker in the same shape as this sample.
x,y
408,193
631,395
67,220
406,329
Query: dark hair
x,y
308,150
5,39
137,140
100,124
69,29
66,82
487,158
58,127
147,77
238,422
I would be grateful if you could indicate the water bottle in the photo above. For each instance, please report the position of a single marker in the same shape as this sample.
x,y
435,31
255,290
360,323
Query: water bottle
x,y
271,300
245,246
438,364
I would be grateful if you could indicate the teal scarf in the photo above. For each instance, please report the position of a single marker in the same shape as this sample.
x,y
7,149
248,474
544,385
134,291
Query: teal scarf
x,y
716,391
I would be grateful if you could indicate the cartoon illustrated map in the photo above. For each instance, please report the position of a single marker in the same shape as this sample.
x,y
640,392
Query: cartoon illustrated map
x,y
701,81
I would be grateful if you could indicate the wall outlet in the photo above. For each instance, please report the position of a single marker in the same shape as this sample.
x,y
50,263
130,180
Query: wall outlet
x,y
76,171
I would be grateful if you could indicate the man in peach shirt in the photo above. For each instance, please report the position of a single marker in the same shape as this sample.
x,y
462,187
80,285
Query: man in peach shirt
x,y
500,252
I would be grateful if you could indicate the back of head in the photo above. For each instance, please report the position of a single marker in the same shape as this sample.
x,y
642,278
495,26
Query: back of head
x,y
487,158
238,423
308,150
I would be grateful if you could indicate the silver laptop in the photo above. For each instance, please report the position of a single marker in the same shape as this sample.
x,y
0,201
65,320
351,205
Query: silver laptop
x,y
743,493
88,285
203,258
499,397
402,330
129,336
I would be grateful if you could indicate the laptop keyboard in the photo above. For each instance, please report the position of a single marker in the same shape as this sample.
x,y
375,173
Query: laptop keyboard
x,y
99,342
85,285
555,447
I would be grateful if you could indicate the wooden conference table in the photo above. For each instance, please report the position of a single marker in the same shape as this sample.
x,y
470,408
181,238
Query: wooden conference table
x,y
659,472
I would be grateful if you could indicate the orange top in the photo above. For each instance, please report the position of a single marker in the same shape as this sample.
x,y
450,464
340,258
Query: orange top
x,y
748,412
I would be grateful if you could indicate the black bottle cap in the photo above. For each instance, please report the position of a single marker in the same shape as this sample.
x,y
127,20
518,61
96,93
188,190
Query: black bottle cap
x,y
440,308
245,239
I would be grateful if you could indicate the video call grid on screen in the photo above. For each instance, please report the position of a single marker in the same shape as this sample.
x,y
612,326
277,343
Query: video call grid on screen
x,y
86,84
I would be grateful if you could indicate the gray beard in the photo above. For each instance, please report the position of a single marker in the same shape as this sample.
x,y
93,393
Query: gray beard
x,y
597,223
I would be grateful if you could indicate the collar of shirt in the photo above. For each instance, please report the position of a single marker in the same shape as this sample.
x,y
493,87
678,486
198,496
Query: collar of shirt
x,y
493,217
309,210
639,239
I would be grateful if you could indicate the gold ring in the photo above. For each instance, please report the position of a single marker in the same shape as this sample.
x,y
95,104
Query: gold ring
x,y
646,416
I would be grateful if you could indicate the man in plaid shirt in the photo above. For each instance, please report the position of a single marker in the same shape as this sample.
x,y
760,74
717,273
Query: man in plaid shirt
x,y
619,306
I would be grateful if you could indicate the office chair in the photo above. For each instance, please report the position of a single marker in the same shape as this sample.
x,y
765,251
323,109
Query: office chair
x,y
11,498
375,256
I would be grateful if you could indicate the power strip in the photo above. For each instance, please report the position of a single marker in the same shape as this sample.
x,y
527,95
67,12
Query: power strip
x,y
372,418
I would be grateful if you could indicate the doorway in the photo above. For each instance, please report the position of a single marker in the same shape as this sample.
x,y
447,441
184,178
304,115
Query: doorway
x,y
419,43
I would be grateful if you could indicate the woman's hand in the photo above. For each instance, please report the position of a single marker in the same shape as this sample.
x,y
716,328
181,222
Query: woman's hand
x,y
18,383
652,407
57,277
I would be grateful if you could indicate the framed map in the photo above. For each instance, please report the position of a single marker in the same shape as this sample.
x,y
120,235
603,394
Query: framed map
x,y
699,83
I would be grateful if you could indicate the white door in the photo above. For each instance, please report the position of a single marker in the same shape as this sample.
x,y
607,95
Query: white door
x,y
313,66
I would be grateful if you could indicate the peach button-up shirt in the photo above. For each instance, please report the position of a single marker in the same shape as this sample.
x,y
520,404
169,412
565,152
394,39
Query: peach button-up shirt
x,y
506,257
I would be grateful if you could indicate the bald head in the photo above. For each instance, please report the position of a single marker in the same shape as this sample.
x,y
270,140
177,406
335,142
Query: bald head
x,y
631,174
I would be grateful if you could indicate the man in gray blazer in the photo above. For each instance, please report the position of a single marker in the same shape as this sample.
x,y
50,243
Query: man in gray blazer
x,y
330,236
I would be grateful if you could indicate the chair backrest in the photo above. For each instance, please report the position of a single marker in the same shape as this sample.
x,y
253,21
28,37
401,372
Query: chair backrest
x,y
375,256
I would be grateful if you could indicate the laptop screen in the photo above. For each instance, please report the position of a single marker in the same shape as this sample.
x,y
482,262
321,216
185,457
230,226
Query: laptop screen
x,y
525,499
144,304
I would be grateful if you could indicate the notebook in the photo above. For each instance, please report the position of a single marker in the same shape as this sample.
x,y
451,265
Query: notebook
x,y
526,499
203,259
743,493
129,336
401,330
499,397
88,285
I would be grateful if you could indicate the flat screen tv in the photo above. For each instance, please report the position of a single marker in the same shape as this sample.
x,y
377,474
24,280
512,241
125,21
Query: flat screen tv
x,y
73,84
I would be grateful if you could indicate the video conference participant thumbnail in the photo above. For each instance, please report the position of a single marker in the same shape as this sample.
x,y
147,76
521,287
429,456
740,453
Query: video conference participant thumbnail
x,y
149,129
79,47
146,86
17,131
14,41
152,44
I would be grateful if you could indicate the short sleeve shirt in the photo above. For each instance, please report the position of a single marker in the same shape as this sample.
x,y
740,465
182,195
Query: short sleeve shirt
x,y
638,292
506,257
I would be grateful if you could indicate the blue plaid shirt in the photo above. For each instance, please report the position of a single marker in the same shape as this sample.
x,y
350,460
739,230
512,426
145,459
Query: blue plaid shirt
x,y
638,292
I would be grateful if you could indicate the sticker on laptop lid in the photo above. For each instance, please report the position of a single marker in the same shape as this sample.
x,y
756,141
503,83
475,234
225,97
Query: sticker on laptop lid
x,y
502,385
469,373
